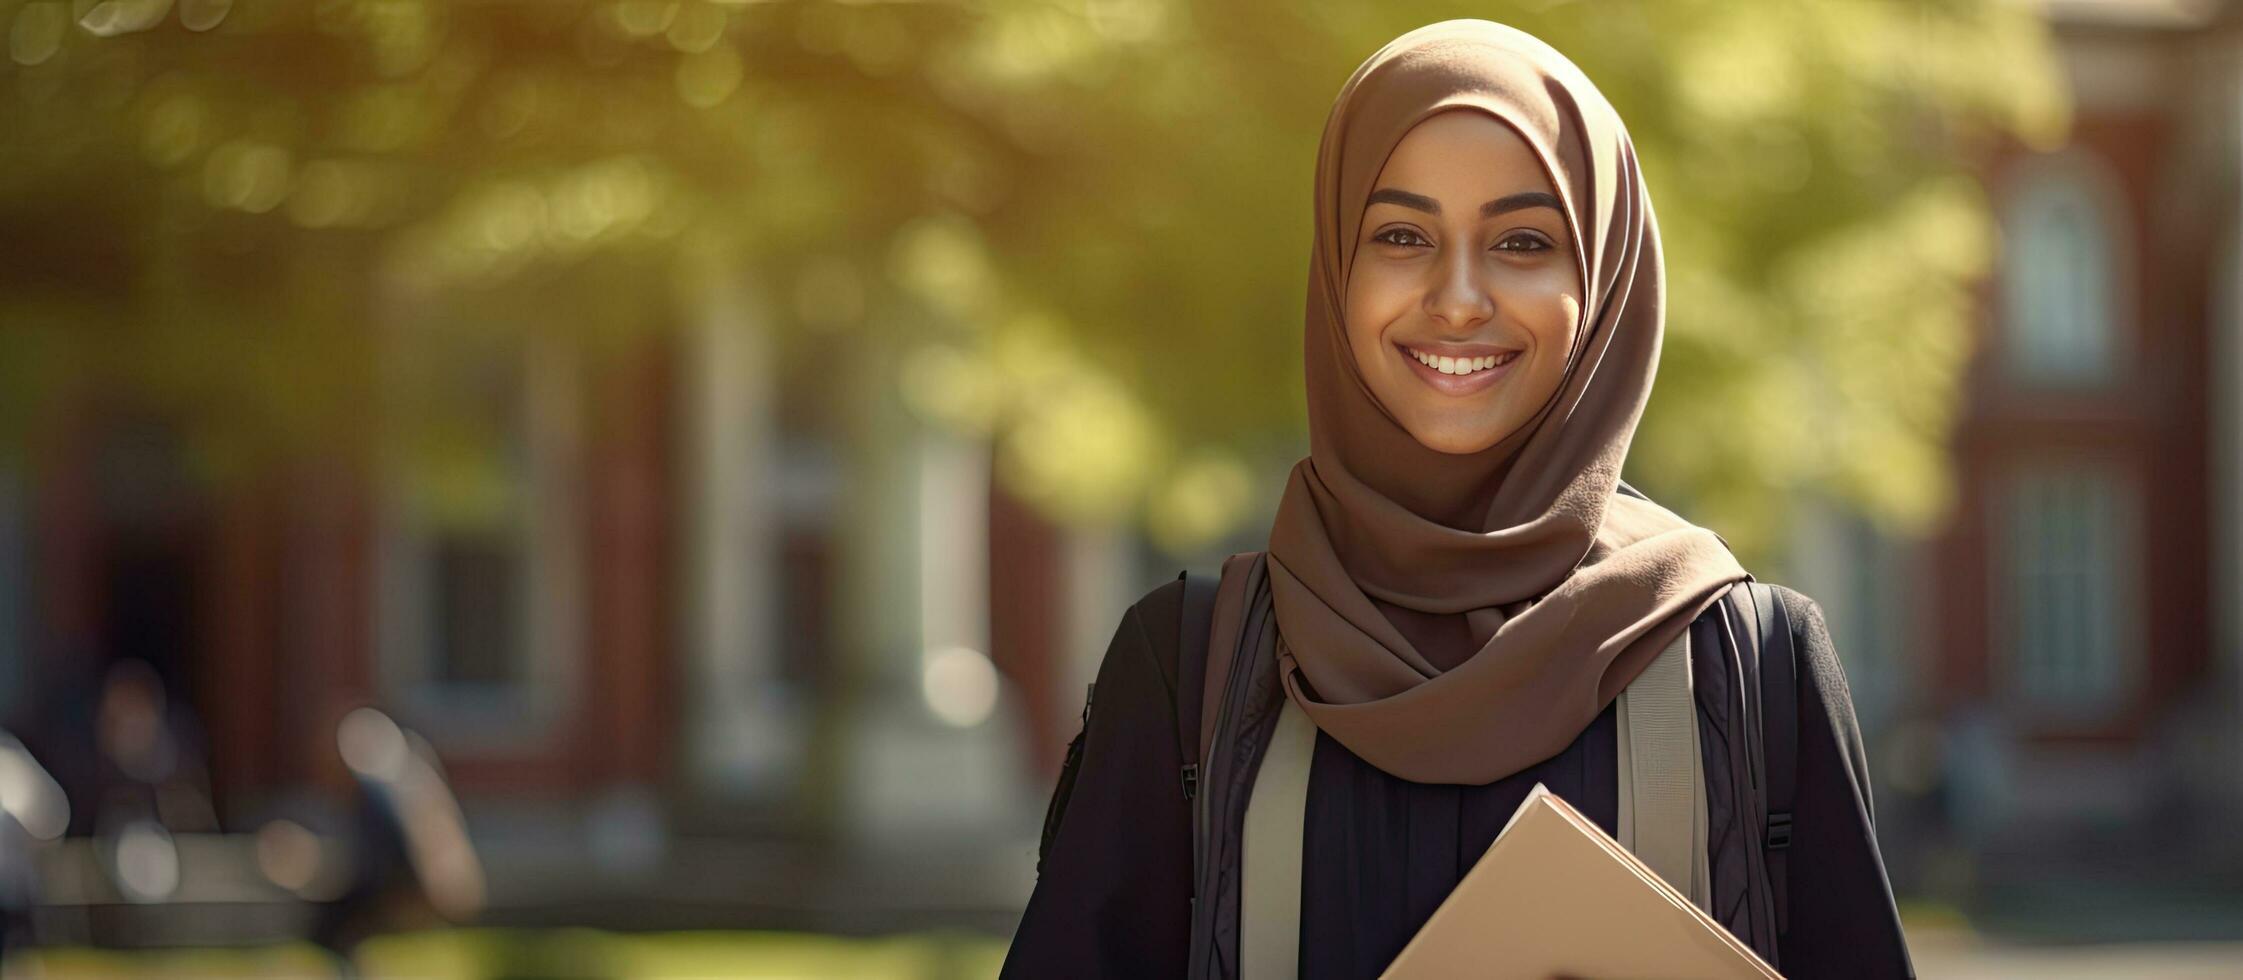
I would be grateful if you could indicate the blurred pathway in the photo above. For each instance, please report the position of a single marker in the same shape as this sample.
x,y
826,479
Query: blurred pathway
x,y
1947,954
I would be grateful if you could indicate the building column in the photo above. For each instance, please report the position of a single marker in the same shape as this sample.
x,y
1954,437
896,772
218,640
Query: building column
x,y
746,724
2226,409
929,738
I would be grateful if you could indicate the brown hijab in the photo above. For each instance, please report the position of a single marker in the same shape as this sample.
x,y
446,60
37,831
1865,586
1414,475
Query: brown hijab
x,y
1565,589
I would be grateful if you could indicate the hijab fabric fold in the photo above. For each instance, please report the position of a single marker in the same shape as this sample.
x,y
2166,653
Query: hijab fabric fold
x,y
1568,588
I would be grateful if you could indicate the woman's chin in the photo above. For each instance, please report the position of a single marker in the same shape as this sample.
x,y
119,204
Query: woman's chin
x,y
1455,439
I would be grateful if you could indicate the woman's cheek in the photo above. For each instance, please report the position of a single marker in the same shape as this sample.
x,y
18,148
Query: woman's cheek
x,y
1552,314
1370,307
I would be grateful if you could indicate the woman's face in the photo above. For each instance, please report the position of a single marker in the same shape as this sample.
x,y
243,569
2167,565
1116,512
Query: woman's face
x,y
1463,258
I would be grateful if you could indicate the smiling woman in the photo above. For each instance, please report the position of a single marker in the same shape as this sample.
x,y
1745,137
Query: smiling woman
x,y
1287,770
1464,298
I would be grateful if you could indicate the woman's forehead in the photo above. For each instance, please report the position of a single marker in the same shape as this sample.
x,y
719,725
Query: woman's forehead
x,y
1466,151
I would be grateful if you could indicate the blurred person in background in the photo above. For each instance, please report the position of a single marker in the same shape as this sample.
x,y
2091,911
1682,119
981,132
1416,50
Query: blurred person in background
x,y
151,753
32,810
150,784
412,865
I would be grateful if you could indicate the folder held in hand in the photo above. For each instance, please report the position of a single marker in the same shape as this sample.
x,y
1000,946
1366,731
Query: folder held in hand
x,y
1555,896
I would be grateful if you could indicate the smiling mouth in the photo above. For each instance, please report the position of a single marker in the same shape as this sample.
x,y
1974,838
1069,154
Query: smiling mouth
x,y
1464,375
1461,365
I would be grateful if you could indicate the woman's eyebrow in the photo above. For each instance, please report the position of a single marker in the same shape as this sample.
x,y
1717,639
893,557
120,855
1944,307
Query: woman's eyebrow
x,y
1501,205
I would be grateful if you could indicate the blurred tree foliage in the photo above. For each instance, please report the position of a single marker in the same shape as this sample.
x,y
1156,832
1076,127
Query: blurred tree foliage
x,y
1086,220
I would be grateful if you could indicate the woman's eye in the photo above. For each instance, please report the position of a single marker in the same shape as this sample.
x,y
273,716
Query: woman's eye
x,y
1522,243
1396,236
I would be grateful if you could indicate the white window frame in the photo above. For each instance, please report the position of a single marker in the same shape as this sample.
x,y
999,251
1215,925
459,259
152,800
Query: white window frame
x,y
2023,682
2077,177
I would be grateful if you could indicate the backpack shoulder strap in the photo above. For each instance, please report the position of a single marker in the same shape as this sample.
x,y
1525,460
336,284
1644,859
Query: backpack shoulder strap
x,y
1191,669
1234,724
1779,736
1226,619
1269,858
1191,598
1662,791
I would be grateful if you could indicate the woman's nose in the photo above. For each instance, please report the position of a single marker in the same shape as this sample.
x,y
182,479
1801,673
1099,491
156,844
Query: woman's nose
x,y
1459,295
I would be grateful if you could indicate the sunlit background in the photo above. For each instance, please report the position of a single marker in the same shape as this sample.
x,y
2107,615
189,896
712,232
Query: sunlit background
x,y
637,489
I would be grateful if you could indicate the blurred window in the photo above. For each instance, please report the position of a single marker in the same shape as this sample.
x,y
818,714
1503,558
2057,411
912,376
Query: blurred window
x,y
2068,624
1872,638
479,542
809,483
475,586
2066,252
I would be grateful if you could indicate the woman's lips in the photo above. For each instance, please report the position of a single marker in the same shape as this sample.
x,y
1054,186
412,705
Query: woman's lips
x,y
1456,384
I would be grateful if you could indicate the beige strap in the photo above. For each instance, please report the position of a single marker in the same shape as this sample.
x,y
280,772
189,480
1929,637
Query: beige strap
x,y
1269,894
1662,782
1662,810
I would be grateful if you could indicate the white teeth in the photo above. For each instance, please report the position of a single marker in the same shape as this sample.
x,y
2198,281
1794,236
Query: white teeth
x,y
1462,365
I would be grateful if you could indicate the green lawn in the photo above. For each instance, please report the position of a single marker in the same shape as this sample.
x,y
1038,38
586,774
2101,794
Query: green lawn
x,y
564,954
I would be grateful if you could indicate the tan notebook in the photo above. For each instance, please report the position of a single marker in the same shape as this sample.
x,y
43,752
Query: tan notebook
x,y
1555,896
